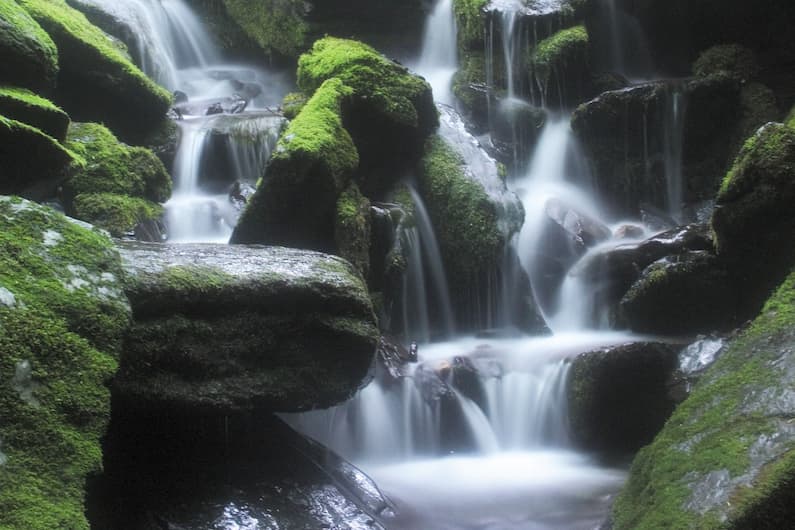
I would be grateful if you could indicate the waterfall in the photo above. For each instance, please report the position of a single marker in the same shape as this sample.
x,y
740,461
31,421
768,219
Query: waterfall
x,y
439,57
673,146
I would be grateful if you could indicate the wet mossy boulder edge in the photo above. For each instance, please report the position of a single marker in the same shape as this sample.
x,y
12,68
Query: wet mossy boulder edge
x,y
95,76
62,318
224,329
726,457
28,56
25,106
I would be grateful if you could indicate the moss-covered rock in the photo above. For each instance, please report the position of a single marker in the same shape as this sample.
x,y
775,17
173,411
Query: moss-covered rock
x,y
464,219
727,59
391,111
28,56
314,162
471,90
725,457
352,228
276,25
618,397
753,216
231,328
62,318
96,80
118,214
560,66
471,20
292,104
687,293
30,158
25,106
114,167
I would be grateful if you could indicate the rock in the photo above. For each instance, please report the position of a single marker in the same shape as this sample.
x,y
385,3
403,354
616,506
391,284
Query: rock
x,y
389,113
314,162
618,397
222,328
629,232
120,215
28,56
581,228
472,91
95,75
733,60
752,217
25,106
560,67
725,455
688,293
516,127
32,163
352,229
62,318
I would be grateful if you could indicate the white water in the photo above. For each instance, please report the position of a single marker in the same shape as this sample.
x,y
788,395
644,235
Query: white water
x,y
439,57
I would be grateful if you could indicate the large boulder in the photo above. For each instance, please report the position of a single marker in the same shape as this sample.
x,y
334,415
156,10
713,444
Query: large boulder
x,y
97,81
314,162
32,163
219,329
619,397
28,56
390,112
560,67
119,186
62,318
25,106
725,457
753,217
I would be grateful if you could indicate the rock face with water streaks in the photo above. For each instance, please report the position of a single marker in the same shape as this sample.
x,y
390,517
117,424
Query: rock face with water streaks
x,y
222,329
726,458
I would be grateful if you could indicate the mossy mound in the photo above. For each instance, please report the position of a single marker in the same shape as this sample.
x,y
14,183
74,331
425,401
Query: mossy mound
x,y
114,167
470,17
118,214
314,161
725,458
62,317
753,220
463,216
29,158
352,228
727,59
96,80
276,25
25,106
28,56
560,65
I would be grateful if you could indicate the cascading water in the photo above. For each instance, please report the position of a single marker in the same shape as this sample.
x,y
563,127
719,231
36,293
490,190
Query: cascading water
x,y
439,58
172,46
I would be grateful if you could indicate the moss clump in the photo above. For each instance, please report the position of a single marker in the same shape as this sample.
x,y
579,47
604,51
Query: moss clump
x,y
352,228
25,106
62,317
276,25
387,87
314,161
727,59
724,430
464,218
471,19
118,214
790,119
28,56
566,48
29,157
292,104
95,75
114,167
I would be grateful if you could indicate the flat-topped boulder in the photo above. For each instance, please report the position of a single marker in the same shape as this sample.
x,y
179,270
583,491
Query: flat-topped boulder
x,y
222,328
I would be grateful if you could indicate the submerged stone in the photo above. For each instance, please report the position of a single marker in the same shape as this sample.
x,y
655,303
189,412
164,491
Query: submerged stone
x,y
229,328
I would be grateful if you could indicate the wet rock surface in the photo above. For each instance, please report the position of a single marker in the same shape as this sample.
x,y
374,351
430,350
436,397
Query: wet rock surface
x,y
226,328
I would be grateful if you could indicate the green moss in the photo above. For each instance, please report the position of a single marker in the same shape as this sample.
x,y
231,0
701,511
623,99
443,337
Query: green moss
x,y
93,60
715,429
25,106
66,320
727,59
471,20
352,228
276,25
118,214
790,119
113,167
386,86
292,104
566,47
464,218
30,58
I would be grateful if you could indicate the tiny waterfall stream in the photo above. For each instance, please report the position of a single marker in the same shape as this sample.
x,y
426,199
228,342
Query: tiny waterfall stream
x,y
473,435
